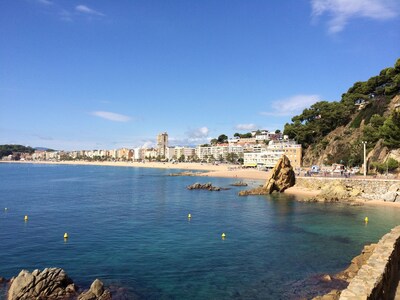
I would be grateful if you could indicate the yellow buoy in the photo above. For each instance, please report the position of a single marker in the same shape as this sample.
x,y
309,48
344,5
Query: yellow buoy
x,y
65,235
223,236
26,218
189,216
366,219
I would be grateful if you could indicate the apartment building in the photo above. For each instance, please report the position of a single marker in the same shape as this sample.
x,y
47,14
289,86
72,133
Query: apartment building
x,y
162,144
269,156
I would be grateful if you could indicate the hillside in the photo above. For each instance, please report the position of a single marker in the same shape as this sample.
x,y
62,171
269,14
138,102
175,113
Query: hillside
x,y
332,132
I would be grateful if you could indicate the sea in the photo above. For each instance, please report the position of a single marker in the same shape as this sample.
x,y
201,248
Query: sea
x,y
129,227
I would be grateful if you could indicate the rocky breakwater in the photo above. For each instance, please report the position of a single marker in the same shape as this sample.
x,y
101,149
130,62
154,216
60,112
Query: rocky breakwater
x,y
54,284
282,177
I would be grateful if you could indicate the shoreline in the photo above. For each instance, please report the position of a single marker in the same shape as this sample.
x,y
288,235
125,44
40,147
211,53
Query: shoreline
x,y
208,170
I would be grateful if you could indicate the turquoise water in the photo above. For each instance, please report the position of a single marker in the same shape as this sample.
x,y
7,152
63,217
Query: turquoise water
x,y
129,227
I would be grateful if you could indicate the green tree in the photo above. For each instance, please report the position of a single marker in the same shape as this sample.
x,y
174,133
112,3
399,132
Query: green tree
x,y
222,139
390,131
232,157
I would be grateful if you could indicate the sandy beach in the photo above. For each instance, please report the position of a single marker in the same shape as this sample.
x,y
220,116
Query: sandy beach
x,y
210,170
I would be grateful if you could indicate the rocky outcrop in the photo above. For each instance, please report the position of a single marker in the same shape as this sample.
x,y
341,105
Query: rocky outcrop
x,y
96,292
52,284
282,177
206,186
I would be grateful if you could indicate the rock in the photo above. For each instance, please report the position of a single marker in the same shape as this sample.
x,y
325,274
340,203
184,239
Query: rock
x,y
51,283
239,183
96,292
205,186
332,295
326,277
2,280
185,173
389,196
282,177
394,187
355,192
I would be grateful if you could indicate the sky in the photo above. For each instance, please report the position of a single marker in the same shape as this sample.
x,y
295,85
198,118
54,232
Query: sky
x,y
100,74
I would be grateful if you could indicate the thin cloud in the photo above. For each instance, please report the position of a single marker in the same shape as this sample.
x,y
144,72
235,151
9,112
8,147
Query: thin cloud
x,y
111,116
148,144
341,11
198,133
86,10
246,126
192,137
45,2
292,105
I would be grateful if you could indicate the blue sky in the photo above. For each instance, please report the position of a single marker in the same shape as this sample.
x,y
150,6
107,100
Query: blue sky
x,y
101,74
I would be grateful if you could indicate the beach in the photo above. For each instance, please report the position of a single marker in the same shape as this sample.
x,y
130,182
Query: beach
x,y
207,170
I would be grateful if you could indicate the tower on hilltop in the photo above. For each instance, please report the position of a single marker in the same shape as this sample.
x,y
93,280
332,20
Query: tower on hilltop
x,y
162,143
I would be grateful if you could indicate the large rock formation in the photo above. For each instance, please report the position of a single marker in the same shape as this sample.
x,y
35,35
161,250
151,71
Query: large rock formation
x,y
52,284
282,177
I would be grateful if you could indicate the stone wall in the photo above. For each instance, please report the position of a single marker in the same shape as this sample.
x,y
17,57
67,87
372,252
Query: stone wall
x,y
370,189
379,277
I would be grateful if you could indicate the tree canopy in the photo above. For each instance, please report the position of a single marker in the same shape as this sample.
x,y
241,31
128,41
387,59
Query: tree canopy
x,y
315,122
6,150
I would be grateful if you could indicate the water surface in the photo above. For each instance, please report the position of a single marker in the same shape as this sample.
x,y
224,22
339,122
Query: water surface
x,y
129,227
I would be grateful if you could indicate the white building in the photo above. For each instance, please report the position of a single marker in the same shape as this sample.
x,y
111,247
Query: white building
x,y
269,156
187,152
218,151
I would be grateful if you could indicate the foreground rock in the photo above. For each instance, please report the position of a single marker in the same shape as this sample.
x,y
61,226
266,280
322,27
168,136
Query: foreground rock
x,y
282,177
51,283
96,291
206,186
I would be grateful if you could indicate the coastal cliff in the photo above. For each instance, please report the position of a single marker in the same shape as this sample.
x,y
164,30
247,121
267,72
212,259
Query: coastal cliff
x,y
333,131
